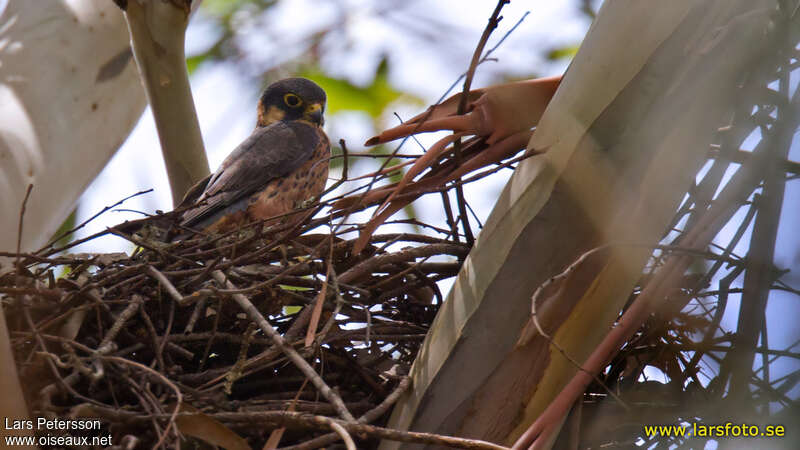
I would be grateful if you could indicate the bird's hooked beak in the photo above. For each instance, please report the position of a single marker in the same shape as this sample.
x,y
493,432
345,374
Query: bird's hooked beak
x,y
314,112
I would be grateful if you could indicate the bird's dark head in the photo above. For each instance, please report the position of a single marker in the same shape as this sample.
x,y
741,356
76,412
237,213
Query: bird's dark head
x,y
292,99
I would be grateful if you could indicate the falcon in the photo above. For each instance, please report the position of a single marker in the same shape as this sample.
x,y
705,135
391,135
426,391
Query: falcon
x,y
280,166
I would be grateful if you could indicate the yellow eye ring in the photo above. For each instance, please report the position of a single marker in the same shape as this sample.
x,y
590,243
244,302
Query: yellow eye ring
x,y
292,100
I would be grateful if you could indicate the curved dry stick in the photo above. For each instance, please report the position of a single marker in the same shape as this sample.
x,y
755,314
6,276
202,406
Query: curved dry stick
x,y
369,416
376,195
166,381
385,171
348,440
493,154
287,349
165,283
421,164
375,222
367,266
316,311
369,197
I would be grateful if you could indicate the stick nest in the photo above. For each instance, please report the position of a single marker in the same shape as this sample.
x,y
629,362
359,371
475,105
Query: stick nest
x,y
161,345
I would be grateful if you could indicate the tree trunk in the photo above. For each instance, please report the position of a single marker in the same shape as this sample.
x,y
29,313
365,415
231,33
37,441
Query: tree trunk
x,y
625,134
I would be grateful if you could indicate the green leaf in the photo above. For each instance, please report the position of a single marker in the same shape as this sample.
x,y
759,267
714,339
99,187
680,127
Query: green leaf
x,y
225,8
294,288
346,96
289,310
193,62
68,224
567,52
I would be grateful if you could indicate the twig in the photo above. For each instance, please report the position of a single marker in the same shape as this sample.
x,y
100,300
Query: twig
x,y
157,349
494,19
236,371
66,382
86,222
342,432
319,304
368,417
535,318
374,262
321,422
345,163
166,284
401,436
736,190
288,350
19,228
106,346
163,379
199,307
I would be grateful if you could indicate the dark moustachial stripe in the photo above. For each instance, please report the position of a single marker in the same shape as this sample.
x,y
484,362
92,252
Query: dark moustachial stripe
x,y
288,144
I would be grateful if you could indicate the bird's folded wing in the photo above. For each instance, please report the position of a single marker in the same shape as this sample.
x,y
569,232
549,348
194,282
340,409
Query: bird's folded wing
x,y
194,192
270,152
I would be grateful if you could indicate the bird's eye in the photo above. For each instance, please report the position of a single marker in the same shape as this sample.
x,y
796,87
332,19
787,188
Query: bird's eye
x,y
292,100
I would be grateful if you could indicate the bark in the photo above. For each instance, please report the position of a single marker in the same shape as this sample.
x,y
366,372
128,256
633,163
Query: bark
x,y
625,134
158,30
